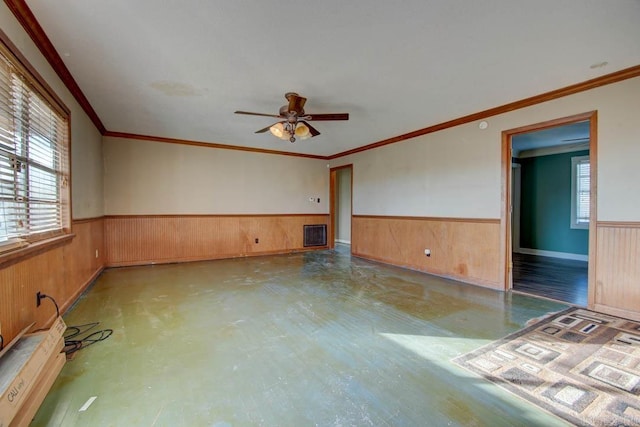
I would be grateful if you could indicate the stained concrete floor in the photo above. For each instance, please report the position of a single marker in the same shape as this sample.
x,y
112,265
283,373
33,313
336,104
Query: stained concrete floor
x,y
309,339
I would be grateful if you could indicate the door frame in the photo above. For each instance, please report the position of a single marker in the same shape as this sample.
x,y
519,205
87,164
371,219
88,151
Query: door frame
x,y
333,182
506,245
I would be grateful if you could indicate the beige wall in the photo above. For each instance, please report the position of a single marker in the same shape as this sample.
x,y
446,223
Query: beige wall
x,y
456,172
86,166
86,141
147,178
448,174
343,205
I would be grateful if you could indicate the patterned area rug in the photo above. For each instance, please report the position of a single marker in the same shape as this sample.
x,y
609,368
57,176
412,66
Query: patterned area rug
x,y
577,364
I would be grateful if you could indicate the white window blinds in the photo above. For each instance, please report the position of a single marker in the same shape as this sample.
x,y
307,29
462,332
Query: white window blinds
x,y
581,191
33,159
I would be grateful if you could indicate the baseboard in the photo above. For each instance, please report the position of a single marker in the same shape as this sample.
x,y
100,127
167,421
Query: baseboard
x,y
69,303
619,312
346,242
210,258
553,254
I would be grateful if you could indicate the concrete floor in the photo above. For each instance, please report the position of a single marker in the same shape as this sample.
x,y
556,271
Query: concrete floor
x,y
308,339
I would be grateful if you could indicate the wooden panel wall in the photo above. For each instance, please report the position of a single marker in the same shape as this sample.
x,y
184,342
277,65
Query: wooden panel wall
x,y
141,239
617,288
463,249
62,272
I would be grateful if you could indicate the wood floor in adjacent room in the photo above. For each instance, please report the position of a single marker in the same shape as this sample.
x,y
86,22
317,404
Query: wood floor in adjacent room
x,y
317,338
560,279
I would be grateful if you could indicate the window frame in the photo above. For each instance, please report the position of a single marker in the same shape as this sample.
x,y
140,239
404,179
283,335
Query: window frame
x,y
15,249
576,223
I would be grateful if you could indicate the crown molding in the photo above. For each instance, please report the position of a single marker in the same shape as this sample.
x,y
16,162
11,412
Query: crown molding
x,y
31,25
209,144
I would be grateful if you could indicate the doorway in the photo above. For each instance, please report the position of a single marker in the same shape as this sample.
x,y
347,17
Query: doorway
x,y
341,184
549,178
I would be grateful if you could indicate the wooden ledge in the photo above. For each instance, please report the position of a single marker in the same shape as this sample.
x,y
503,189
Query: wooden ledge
x,y
33,249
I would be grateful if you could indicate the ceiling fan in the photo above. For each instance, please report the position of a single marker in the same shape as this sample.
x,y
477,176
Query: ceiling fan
x,y
294,119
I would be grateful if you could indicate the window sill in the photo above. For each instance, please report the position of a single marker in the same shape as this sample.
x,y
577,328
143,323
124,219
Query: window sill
x,y
581,226
20,254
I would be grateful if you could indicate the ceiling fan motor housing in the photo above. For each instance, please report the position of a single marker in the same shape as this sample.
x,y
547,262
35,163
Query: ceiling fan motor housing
x,y
291,116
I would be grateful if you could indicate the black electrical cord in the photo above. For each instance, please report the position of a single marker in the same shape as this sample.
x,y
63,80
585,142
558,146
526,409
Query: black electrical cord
x,y
43,296
74,331
73,345
72,342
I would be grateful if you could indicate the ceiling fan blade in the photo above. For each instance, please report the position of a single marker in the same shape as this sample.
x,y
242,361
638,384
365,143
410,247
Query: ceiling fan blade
x,y
313,131
266,129
258,114
296,102
329,116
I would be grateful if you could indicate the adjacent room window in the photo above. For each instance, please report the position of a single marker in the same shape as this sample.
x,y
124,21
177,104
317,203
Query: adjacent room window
x,y
34,164
580,191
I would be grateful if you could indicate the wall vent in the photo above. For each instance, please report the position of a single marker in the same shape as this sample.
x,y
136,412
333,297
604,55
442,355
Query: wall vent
x,y
315,235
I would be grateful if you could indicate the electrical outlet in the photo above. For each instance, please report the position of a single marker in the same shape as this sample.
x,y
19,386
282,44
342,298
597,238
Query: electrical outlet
x,y
257,240
39,298
427,252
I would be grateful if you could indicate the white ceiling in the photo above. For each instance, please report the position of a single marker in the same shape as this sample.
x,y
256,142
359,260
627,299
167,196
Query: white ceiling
x,y
179,69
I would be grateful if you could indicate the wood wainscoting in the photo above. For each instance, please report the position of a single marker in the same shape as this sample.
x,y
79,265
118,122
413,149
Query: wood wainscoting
x,y
464,249
63,272
147,239
617,289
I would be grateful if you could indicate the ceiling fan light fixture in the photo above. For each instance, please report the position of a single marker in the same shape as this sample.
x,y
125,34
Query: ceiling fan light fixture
x,y
277,130
302,131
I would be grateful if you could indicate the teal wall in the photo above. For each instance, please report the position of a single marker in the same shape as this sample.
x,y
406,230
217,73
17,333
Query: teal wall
x,y
545,210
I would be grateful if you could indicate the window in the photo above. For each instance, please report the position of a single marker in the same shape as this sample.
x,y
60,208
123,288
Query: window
x,y
580,191
34,164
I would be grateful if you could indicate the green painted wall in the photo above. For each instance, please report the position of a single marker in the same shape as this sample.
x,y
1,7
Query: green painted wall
x,y
545,213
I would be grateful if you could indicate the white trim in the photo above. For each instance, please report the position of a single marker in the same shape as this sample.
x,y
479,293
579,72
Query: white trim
x,y
346,242
553,254
558,149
